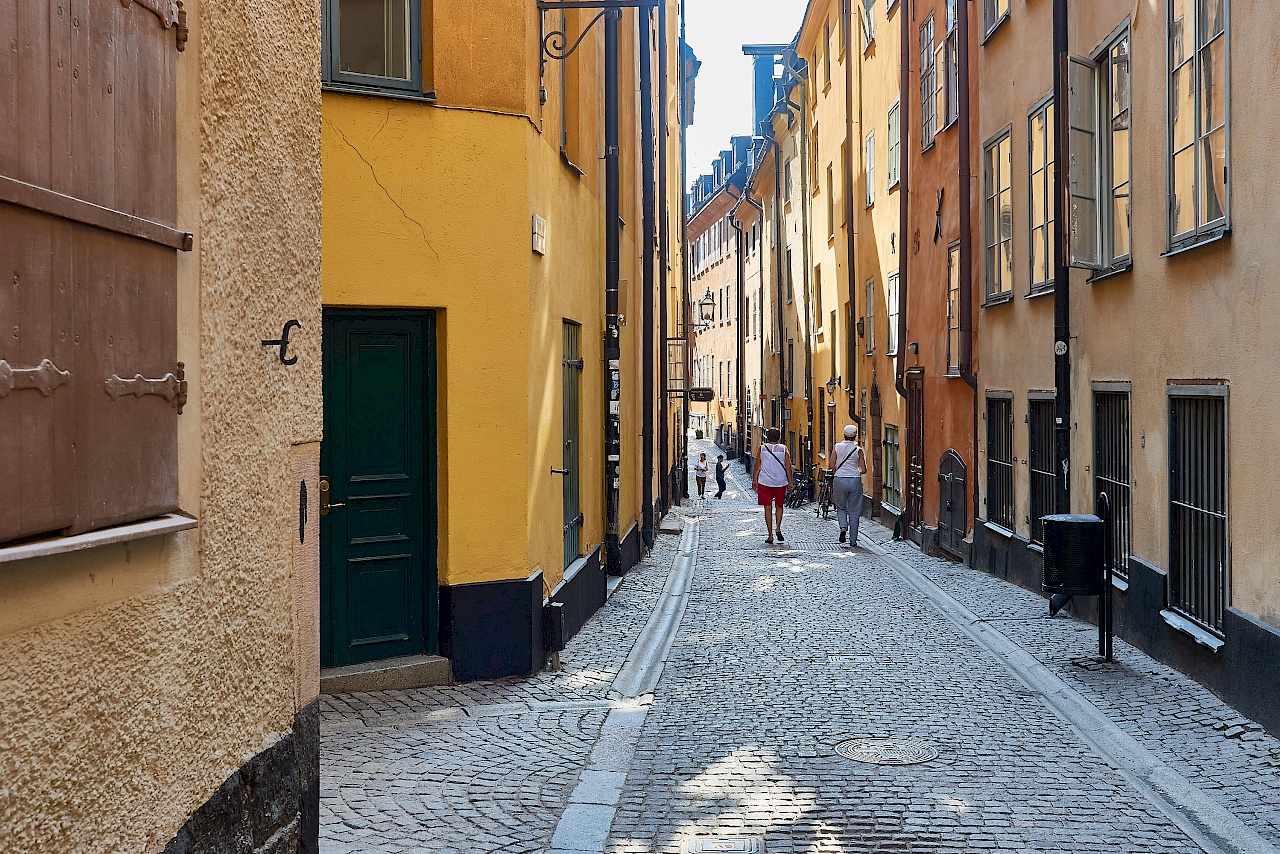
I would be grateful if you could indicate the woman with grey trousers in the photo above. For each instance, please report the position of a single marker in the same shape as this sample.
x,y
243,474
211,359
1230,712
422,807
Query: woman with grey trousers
x,y
847,466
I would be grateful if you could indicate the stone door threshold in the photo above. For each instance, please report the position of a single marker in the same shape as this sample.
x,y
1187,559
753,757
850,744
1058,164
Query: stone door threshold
x,y
389,674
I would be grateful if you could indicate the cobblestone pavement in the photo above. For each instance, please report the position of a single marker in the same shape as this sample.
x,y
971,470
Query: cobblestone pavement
x,y
782,653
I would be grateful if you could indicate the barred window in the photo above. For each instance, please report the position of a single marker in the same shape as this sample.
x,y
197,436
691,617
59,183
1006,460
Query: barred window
x,y
1111,470
1000,461
1199,558
1044,479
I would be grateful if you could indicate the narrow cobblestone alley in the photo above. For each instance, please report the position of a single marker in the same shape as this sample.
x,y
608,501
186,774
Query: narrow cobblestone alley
x,y
782,653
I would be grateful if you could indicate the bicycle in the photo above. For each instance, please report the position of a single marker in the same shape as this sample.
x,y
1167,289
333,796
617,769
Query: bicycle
x,y
825,502
801,487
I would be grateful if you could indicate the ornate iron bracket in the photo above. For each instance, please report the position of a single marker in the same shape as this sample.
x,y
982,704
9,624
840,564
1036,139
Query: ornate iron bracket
x,y
172,387
283,342
45,377
555,44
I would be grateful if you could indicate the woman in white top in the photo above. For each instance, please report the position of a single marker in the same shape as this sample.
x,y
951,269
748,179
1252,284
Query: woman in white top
x,y
848,465
700,474
771,477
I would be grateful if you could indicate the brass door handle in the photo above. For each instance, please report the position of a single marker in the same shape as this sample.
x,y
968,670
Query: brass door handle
x,y
559,471
325,505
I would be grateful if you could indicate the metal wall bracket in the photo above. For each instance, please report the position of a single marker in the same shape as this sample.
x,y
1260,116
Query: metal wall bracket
x,y
45,377
172,387
283,342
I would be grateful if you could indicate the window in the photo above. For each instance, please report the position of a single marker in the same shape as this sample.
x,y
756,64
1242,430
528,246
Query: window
x,y
791,283
1111,470
832,331
953,310
791,367
375,43
928,84
786,180
1199,552
894,154
995,12
891,311
817,297
844,30
1000,461
831,202
871,316
998,215
822,418
1040,456
951,91
1117,161
1041,195
870,157
892,469
868,23
826,54
1199,197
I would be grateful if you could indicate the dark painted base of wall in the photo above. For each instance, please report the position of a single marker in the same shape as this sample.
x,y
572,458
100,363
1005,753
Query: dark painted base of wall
x,y
270,805
1245,673
575,599
493,629
632,548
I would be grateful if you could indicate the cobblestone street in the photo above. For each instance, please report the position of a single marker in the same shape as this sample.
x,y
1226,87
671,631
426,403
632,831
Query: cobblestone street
x,y
781,653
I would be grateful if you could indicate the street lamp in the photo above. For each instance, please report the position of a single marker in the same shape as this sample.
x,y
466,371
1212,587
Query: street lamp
x,y
707,308
833,384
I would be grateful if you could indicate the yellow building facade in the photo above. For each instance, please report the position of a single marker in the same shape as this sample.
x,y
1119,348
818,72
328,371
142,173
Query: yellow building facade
x,y
464,191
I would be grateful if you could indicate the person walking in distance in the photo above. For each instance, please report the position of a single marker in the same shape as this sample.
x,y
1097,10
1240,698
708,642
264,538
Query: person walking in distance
x,y
771,477
848,465
720,481
700,474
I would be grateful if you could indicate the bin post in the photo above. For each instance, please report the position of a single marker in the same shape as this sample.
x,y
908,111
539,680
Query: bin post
x,y
1105,618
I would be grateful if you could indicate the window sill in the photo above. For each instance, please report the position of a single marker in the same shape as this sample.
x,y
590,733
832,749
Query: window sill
x,y
1196,632
1119,583
998,299
1109,272
376,92
1204,240
1035,547
952,373
168,524
994,28
924,149
998,529
1040,291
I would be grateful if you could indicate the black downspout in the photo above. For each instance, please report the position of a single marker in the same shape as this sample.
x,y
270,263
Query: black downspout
x,y
612,343
966,241
851,231
686,318
746,197
647,387
784,380
740,268
664,258
904,199
1061,272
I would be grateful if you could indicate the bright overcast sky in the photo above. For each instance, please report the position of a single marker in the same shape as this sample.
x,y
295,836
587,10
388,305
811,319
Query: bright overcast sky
x,y
716,31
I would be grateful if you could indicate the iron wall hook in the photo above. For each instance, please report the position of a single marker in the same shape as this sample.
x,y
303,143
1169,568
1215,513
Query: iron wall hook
x,y
283,342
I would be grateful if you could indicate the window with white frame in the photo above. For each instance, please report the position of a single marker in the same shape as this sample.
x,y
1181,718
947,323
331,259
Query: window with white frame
x,y
952,63
870,160
831,201
826,53
868,23
928,84
892,468
891,312
1040,195
894,153
1199,138
953,310
997,169
870,324
994,13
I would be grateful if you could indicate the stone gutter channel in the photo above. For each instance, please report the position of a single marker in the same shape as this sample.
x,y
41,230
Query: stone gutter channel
x,y
1215,829
584,825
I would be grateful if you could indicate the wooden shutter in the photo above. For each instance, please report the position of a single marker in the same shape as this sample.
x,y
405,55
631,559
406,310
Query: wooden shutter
x,y
88,264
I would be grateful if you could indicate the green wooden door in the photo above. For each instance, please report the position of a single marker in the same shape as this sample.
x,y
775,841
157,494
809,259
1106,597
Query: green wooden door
x,y
571,389
377,541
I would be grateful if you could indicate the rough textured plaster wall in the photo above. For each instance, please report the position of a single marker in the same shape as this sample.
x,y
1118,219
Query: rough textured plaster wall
x,y
120,720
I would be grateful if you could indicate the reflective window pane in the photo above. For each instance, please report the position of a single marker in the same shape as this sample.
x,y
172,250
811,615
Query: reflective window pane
x,y
1213,82
374,38
1182,211
1213,192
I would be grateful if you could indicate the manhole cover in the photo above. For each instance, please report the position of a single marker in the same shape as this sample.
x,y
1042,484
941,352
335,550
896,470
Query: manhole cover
x,y
723,845
886,751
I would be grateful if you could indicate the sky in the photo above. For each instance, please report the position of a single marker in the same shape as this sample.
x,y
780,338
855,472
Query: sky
x,y
716,30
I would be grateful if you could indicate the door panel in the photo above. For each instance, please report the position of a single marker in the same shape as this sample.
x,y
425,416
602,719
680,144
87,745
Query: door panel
x,y
571,395
378,538
915,453
952,510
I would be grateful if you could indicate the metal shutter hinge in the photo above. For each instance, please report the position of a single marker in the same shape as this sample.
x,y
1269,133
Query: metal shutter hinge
x,y
172,387
45,377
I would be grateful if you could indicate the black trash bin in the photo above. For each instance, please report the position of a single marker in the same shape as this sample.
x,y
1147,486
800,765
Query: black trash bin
x,y
1074,554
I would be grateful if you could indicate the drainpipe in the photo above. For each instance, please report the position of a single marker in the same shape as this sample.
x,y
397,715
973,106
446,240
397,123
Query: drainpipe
x,y
648,389
778,285
806,278
1061,272
740,269
664,261
746,197
685,308
904,199
612,342
853,134
966,238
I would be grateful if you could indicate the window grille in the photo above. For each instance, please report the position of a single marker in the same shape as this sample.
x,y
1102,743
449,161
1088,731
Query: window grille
x,y
1040,455
1000,461
1198,546
1111,470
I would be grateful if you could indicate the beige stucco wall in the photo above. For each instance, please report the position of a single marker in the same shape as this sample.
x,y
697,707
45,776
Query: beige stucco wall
x,y
1206,314
135,678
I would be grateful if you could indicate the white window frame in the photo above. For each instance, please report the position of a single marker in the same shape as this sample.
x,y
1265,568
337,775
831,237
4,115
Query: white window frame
x,y
868,24
1043,175
893,166
953,309
869,155
951,114
891,313
892,468
992,225
1207,229
928,85
870,322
